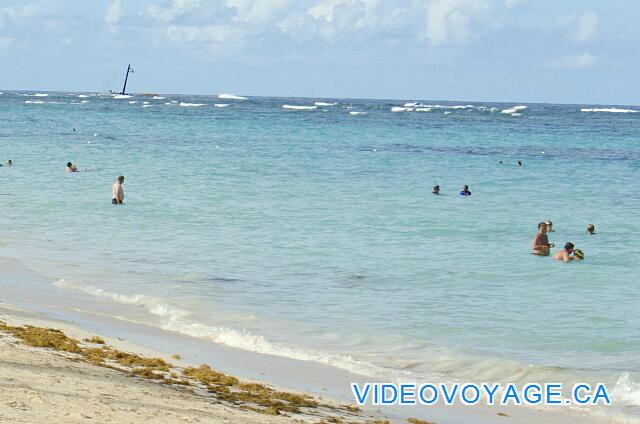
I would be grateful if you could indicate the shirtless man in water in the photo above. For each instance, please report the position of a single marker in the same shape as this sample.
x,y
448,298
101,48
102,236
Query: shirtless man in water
x,y
565,254
117,192
541,241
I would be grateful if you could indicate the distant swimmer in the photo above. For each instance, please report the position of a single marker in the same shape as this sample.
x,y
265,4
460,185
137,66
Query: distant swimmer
x,y
569,253
541,243
436,189
8,163
71,168
591,229
117,192
519,163
465,191
549,226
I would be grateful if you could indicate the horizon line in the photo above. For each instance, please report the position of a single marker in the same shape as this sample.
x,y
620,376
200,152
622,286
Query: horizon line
x,y
320,97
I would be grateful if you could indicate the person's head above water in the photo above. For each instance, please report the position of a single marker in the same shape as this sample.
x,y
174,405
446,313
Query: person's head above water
x,y
591,229
549,225
465,191
436,189
121,179
568,246
542,227
69,165
9,162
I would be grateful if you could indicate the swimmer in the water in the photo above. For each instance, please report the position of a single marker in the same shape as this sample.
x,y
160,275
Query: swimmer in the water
x,y
8,163
465,191
71,168
436,189
591,229
519,163
565,254
541,243
549,226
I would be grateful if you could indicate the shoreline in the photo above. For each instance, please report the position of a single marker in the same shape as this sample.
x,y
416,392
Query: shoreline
x,y
320,381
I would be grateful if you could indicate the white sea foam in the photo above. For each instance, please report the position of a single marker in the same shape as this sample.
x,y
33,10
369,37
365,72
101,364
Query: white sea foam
x,y
174,101
423,109
186,104
33,102
177,320
84,101
121,96
158,98
40,95
513,110
221,104
133,102
447,113
324,104
400,109
357,113
297,107
147,105
230,96
411,104
610,110
82,96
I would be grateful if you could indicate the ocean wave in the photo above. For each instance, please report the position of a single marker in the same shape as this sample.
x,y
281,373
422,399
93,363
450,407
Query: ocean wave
x,y
424,109
230,96
357,113
186,104
513,110
610,110
397,109
33,102
297,107
221,104
324,104
121,96
147,105
177,320
82,96
41,95
158,98
133,102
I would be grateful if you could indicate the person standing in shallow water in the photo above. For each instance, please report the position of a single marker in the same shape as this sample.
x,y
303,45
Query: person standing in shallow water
x,y
465,191
541,243
436,189
117,192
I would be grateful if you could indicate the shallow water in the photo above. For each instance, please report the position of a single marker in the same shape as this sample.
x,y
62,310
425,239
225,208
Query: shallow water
x,y
312,233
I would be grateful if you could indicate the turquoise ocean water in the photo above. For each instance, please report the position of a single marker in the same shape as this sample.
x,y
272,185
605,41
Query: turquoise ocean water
x,y
313,234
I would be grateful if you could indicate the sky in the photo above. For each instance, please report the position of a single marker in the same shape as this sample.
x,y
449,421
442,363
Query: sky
x,y
567,51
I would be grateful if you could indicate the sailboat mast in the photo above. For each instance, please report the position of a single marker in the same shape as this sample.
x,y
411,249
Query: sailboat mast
x,y
126,77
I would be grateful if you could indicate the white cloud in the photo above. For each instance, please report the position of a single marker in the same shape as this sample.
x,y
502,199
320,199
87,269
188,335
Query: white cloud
x,y
332,19
14,13
261,12
211,34
174,10
452,20
585,26
577,61
114,13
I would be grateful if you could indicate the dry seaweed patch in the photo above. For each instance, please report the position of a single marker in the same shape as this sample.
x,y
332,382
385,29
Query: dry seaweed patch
x,y
250,396
417,421
43,337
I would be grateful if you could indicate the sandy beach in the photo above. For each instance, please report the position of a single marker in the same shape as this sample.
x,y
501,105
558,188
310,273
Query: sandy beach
x,y
51,385
40,384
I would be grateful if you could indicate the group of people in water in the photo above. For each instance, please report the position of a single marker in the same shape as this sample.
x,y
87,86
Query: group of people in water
x,y
117,191
464,192
542,247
